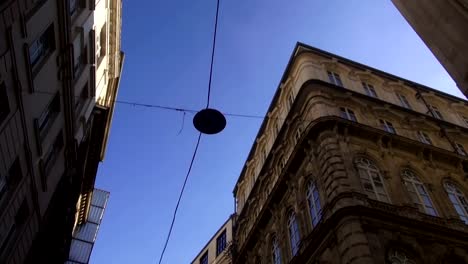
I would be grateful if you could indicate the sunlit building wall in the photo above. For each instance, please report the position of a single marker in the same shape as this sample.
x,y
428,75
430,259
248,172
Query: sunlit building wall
x,y
354,165
218,250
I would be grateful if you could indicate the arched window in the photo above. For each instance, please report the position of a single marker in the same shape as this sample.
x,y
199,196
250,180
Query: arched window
x,y
275,251
419,195
458,200
294,235
371,180
313,199
398,257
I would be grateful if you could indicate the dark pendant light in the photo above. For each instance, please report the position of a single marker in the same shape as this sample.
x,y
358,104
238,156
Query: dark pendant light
x,y
209,121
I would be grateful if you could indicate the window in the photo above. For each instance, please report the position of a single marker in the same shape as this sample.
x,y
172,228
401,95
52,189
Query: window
x,y
313,199
11,180
403,101
465,119
14,174
294,236
22,214
221,243
101,43
398,257
369,89
347,114
424,138
371,180
435,112
3,185
42,46
335,78
20,219
204,258
47,118
79,56
73,6
275,251
387,126
458,200
79,100
4,104
460,149
418,193
51,156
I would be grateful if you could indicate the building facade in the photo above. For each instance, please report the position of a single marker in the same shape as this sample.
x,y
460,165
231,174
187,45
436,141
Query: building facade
x,y
354,165
218,250
60,64
442,26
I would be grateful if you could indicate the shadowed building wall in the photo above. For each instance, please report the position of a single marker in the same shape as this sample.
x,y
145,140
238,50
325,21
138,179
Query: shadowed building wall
x,y
442,25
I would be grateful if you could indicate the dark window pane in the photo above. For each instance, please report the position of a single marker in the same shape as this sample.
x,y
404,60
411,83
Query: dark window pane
x,y
4,104
42,46
48,117
204,258
221,243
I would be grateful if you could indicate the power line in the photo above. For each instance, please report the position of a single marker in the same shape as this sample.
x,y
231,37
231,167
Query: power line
x,y
180,197
199,135
191,111
213,53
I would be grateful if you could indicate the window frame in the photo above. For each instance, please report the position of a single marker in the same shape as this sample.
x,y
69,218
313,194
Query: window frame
x,y
43,46
49,159
436,112
348,114
459,149
48,117
101,44
424,138
404,101
399,257
221,242
204,258
458,200
294,232
314,203
464,119
369,89
387,126
417,190
275,250
335,78
5,108
367,166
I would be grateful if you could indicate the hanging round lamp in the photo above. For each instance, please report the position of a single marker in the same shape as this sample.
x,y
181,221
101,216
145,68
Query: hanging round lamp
x,y
209,121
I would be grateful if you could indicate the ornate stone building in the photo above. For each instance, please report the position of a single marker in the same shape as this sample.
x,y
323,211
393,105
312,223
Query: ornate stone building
x,y
354,165
442,25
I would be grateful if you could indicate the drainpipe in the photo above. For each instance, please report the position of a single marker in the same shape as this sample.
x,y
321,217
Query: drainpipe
x,y
442,128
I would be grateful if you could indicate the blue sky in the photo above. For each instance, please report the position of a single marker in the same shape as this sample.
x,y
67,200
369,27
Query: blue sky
x,y
167,45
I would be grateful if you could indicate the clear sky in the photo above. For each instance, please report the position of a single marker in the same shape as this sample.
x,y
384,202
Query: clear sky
x,y
167,45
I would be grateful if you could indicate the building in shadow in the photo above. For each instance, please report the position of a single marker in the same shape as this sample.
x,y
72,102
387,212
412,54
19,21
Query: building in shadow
x,y
60,66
